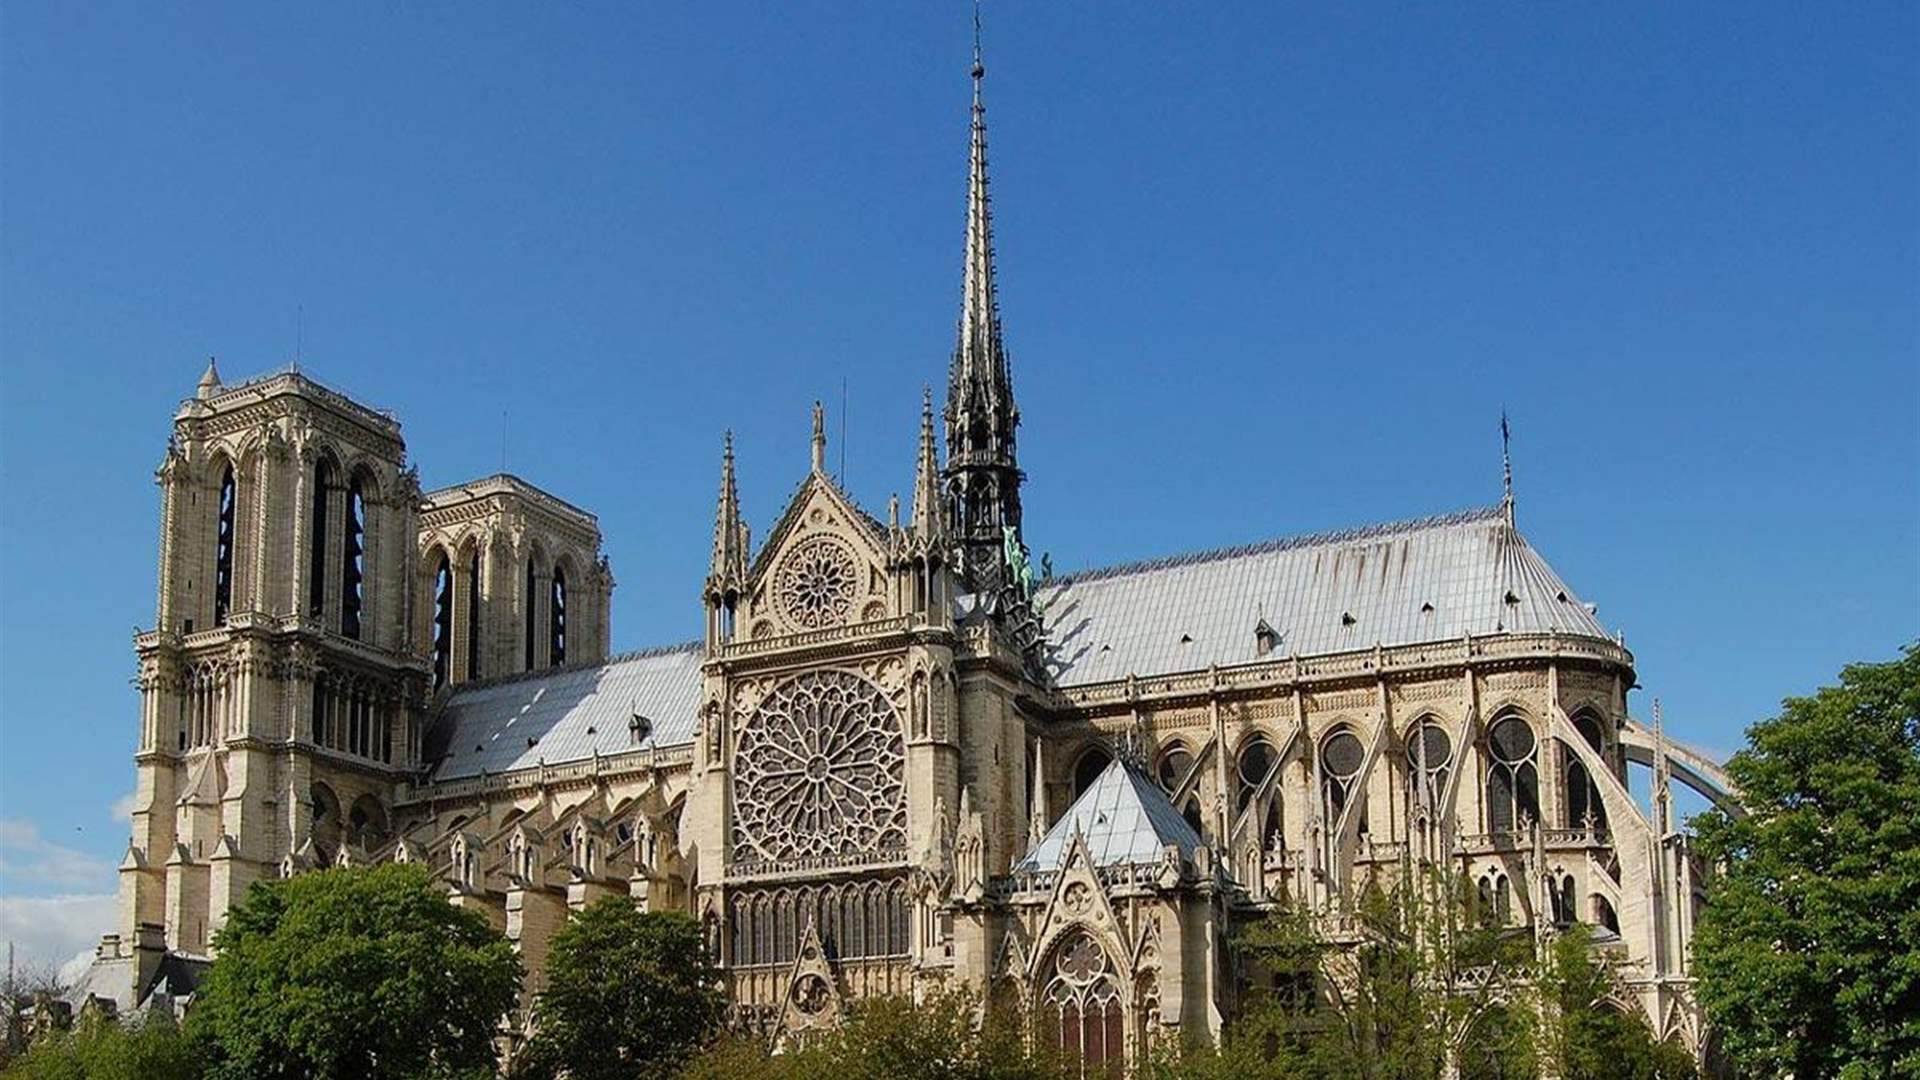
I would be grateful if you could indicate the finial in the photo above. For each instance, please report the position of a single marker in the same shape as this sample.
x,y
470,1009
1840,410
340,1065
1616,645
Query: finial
x,y
819,438
1506,467
210,381
979,68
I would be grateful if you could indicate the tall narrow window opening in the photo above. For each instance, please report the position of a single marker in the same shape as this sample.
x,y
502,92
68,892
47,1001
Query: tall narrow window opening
x,y
557,619
317,540
223,549
442,623
473,614
1257,762
526,613
353,561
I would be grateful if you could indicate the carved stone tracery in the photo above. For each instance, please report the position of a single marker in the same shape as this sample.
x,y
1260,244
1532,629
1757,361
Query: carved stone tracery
x,y
817,582
819,773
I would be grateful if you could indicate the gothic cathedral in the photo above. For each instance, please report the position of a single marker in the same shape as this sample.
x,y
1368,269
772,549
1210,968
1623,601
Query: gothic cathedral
x,y
899,757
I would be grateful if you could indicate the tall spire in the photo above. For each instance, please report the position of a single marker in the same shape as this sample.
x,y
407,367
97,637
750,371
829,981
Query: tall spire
x,y
1506,468
728,571
928,519
982,473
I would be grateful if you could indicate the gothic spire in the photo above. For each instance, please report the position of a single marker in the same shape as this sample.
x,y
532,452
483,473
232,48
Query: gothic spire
x,y
929,520
729,532
982,473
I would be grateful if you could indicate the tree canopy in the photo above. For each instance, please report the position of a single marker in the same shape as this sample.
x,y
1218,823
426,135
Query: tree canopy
x,y
1808,952
353,973
628,994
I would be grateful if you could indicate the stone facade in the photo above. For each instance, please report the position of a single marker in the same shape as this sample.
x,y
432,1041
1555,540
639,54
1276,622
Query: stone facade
x,y
897,758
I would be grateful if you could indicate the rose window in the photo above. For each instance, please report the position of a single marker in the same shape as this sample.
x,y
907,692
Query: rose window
x,y
819,773
817,582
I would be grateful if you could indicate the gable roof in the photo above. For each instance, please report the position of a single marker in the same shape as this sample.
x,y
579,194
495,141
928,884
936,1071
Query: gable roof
x,y
1433,579
1124,817
568,714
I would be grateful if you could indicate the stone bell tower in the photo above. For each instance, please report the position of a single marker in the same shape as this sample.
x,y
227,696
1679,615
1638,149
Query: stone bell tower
x,y
281,703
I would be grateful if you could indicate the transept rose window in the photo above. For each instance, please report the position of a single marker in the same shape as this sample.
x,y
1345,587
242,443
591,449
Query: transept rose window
x,y
817,582
819,773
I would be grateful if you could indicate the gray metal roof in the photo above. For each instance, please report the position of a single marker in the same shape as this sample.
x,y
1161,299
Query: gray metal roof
x,y
1435,579
567,715
1125,818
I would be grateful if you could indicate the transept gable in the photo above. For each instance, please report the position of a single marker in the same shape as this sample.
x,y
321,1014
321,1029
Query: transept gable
x,y
1079,901
813,1000
823,565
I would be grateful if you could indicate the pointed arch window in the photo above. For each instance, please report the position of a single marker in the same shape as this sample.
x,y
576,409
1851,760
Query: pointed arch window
x,y
442,623
557,620
317,538
1258,762
223,548
473,614
1340,759
1429,762
1174,766
526,613
1092,763
1513,776
1081,1006
353,560
1583,795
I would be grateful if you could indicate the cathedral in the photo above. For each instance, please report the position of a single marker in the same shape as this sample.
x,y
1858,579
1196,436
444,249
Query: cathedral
x,y
899,756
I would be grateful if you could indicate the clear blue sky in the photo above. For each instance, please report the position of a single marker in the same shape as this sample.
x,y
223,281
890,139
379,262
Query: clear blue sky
x,y
1265,270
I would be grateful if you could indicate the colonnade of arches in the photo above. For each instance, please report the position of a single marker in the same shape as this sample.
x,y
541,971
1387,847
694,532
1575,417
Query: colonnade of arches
x,y
333,551
459,609
856,920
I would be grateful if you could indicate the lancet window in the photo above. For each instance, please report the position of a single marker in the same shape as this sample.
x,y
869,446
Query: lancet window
x,y
473,613
1429,762
557,619
1513,775
317,538
223,548
353,560
526,615
1088,768
1583,795
442,623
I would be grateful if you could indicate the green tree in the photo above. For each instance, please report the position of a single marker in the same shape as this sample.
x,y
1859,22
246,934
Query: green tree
x,y
100,1049
1387,990
1585,1037
887,1038
353,973
1808,952
628,994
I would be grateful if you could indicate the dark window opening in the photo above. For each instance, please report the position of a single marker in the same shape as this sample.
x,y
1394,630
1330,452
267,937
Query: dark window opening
x,y
223,550
1257,763
473,615
317,541
442,623
1088,769
526,614
353,561
1513,781
557,620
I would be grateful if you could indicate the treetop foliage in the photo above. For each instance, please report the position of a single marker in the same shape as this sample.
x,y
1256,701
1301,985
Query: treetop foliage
x,y
353,973
1808,952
